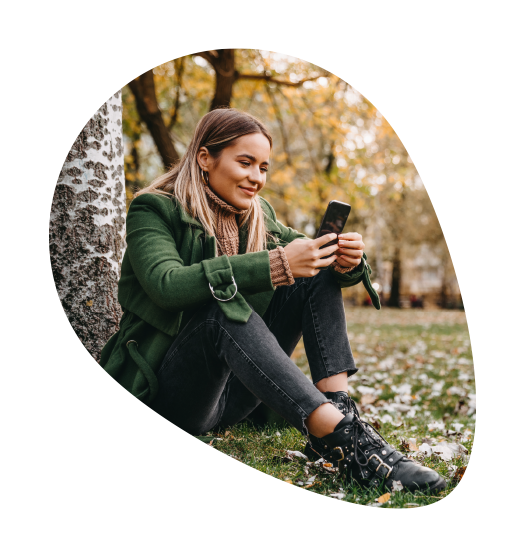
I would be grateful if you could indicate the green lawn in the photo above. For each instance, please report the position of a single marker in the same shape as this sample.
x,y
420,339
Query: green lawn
x,y
415,384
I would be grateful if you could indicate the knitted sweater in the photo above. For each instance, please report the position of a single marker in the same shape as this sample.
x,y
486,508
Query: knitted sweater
x,y
227,236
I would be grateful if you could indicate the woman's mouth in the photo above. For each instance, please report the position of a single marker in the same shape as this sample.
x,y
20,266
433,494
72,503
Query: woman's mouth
x,y
248,191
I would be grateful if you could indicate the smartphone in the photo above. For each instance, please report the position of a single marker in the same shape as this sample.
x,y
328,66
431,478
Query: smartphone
x,y
334,221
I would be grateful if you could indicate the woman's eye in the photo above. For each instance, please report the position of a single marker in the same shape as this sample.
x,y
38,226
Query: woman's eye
x,y
264,169
245,164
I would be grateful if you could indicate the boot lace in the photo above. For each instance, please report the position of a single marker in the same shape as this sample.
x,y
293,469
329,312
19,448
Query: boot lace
x,y
360,431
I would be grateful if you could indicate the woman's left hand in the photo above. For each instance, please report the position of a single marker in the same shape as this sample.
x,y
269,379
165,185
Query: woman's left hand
x,y
350,250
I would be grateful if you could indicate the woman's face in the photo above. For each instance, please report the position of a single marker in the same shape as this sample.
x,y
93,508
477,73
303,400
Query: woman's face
x,y
240,172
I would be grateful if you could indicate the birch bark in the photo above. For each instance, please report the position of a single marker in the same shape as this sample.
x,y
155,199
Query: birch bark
x,y
86,230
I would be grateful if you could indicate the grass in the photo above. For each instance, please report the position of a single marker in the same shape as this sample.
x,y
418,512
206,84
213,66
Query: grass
x,y
415,383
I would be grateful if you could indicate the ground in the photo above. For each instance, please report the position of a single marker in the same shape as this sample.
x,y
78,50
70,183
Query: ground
x,y
415,384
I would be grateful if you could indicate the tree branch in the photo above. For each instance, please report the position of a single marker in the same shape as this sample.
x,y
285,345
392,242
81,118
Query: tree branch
x,y
271,79
143,89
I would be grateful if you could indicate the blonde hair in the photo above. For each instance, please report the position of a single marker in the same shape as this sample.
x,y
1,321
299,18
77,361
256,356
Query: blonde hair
x,y
215,131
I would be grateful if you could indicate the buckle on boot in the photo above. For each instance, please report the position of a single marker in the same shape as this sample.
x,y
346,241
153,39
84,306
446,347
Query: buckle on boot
x,y
342,454
381,463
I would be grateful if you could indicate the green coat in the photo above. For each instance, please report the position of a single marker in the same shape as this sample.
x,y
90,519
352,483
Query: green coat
x,y
167,270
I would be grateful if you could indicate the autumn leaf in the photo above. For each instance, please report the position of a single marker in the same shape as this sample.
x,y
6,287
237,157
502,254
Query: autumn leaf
x,y
412,445
384,498
368,399
458,475
405,446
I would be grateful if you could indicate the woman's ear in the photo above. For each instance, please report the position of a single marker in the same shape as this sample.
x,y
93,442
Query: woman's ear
x,y
203,158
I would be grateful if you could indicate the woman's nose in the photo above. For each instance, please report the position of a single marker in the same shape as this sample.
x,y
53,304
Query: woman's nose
x,y
256,176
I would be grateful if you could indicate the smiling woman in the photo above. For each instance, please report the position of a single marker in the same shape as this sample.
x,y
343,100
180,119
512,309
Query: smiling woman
x,y
217,293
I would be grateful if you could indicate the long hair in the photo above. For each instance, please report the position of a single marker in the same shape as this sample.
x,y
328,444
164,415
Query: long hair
x,y
215,131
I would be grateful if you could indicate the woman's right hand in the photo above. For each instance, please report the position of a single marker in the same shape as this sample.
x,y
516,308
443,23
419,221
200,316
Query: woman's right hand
x,y
305,256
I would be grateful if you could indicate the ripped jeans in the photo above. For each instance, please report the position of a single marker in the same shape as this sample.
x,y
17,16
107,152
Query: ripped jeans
x,y
217,371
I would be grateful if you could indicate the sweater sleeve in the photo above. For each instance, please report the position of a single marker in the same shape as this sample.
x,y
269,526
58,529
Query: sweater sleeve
x,y
279,268
341,269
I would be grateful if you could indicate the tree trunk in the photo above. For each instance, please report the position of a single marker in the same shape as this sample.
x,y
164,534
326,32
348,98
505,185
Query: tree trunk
x,y
143,89
396,280
223,62
86,229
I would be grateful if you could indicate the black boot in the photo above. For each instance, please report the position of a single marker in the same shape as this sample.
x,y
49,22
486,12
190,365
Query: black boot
x,y
316,448
363,455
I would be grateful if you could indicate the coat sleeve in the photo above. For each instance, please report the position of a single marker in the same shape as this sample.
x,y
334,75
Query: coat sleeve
x,y
160,269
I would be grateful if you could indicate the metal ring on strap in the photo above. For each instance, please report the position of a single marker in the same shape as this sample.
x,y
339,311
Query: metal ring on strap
x,y
224,300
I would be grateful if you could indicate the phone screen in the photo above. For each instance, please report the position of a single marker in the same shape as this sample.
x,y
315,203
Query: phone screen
x,y
334,220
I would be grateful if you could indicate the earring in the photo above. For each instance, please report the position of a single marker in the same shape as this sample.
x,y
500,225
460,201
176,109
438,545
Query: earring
x,y
205,178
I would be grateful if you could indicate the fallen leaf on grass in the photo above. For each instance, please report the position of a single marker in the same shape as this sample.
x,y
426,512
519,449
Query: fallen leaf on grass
x,y
384,498
461,407
397,485
458,475
436,426
405,446
338,495
288,481
368,399
412,444
448,451
297,454
425,449
290,456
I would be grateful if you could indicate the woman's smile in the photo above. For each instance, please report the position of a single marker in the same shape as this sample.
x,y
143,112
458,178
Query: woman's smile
x,y
248,191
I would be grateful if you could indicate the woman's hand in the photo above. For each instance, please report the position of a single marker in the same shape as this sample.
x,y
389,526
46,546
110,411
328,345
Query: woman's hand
x,y
304,255
350,250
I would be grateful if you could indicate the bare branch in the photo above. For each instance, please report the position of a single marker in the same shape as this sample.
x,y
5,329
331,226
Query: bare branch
x,y
271,79
143,89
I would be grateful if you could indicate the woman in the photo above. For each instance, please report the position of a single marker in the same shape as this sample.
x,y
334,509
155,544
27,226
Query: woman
x,y
216,294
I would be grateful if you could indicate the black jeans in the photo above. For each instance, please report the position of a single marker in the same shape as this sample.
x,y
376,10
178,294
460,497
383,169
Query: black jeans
x,y
217,371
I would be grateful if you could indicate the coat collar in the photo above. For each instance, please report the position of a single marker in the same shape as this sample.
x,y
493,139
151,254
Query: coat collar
x,y
187,219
